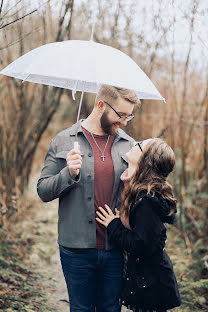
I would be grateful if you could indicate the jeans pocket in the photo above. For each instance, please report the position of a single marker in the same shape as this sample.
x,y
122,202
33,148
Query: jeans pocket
x,y
68,250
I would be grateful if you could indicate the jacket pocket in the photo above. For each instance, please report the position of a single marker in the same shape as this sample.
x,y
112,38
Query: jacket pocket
x,y
145,281
63,154
61,157
146,275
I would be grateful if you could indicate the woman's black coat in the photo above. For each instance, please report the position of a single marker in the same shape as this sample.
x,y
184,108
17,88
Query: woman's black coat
x,y
149,280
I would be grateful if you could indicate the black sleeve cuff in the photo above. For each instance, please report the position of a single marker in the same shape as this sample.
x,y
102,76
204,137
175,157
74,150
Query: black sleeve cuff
x,y
114,227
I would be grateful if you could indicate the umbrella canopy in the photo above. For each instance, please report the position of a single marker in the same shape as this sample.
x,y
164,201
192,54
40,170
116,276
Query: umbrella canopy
x,y
82,66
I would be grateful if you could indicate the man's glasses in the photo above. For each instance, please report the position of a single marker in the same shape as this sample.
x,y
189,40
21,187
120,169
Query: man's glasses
x,y
139,144
128,118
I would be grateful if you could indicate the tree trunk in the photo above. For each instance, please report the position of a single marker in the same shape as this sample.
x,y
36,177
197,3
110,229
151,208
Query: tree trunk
x,y
26,112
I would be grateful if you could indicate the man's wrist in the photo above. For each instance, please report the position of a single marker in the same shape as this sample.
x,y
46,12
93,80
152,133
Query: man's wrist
x,y
76,178
73,175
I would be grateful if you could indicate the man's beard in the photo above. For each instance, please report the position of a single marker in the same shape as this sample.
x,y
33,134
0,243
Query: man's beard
x,y
107,126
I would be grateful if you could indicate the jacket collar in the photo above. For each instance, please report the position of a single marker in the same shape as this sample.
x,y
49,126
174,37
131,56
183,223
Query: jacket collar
x,y
120,135
75,126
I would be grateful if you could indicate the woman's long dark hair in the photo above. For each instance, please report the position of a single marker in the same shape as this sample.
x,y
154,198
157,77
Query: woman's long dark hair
x,y
155,164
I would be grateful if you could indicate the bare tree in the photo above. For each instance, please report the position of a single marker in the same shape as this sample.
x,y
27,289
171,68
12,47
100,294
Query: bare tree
x,y
26,109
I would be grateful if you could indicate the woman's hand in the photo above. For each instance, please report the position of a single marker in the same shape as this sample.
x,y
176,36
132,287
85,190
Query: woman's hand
x,y
105,217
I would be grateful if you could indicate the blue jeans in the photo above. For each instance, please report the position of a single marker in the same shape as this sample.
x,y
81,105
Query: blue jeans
x,y
93,278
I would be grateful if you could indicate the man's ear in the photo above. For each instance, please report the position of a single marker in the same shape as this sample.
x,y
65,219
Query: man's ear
x,y
101,106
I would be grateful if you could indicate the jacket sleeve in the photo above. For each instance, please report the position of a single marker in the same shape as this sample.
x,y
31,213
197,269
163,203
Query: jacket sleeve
x,y
143,238
54,182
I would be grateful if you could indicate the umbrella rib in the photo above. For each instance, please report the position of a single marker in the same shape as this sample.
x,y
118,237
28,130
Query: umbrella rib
x,y
79,110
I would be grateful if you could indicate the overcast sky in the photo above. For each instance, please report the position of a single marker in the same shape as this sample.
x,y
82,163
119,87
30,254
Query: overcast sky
x,y
172,8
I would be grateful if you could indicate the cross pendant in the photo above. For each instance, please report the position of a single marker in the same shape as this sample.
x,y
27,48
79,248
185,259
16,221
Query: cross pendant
x,y
103,157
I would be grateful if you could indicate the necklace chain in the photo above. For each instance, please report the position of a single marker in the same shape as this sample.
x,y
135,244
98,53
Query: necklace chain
x,y
102,152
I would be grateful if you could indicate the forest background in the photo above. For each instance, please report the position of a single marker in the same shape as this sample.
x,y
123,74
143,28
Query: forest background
x,y
169,40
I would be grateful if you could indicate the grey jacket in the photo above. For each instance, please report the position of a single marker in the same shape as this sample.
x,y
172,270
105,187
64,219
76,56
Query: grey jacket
x,y
76,224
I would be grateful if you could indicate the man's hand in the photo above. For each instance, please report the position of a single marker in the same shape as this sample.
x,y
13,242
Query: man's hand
x,y
106,216
74,162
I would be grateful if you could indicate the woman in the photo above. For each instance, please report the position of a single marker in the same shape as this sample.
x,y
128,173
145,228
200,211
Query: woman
x,y
139,229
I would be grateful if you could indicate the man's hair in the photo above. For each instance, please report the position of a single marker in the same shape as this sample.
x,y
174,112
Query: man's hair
x,y
111,94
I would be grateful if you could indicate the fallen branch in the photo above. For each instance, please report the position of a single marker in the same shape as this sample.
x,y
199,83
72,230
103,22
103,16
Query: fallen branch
x,y
64,300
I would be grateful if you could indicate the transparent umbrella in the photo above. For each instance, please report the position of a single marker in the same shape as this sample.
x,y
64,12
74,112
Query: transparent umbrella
x,y
83,66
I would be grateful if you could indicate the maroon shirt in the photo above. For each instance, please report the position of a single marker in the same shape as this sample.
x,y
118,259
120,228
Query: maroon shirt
x,y
103,179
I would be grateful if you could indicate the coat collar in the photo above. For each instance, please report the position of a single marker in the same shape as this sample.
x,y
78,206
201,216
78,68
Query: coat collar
x,y
120,135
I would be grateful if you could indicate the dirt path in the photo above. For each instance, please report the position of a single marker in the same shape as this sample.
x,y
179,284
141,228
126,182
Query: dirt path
x,y
44,257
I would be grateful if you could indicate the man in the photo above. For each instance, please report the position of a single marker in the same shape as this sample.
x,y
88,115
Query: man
x,y
84,180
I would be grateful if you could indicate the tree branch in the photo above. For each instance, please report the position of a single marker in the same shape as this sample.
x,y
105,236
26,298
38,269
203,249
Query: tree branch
x,y
18,19
1,6
21,38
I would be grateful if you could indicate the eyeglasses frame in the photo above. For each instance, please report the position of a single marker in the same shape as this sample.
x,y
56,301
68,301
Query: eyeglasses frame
x,y
120,116
139,144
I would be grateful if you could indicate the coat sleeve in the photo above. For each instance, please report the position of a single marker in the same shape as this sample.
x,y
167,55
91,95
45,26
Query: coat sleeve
x,y
54,182
143,238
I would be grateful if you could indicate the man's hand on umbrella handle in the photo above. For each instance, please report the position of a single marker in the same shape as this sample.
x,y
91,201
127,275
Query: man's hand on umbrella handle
x,y
74,162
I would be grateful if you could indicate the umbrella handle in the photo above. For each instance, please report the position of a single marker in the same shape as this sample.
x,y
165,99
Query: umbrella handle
x,y
76,146
76,143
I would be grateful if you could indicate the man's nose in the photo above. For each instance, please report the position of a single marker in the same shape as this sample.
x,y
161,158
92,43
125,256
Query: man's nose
x,y
123,122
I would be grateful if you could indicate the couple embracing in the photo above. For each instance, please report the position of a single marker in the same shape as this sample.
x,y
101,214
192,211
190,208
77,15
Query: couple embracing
x,y
114,207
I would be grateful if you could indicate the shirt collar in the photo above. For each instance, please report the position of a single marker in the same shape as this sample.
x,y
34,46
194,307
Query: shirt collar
x,y
120,134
